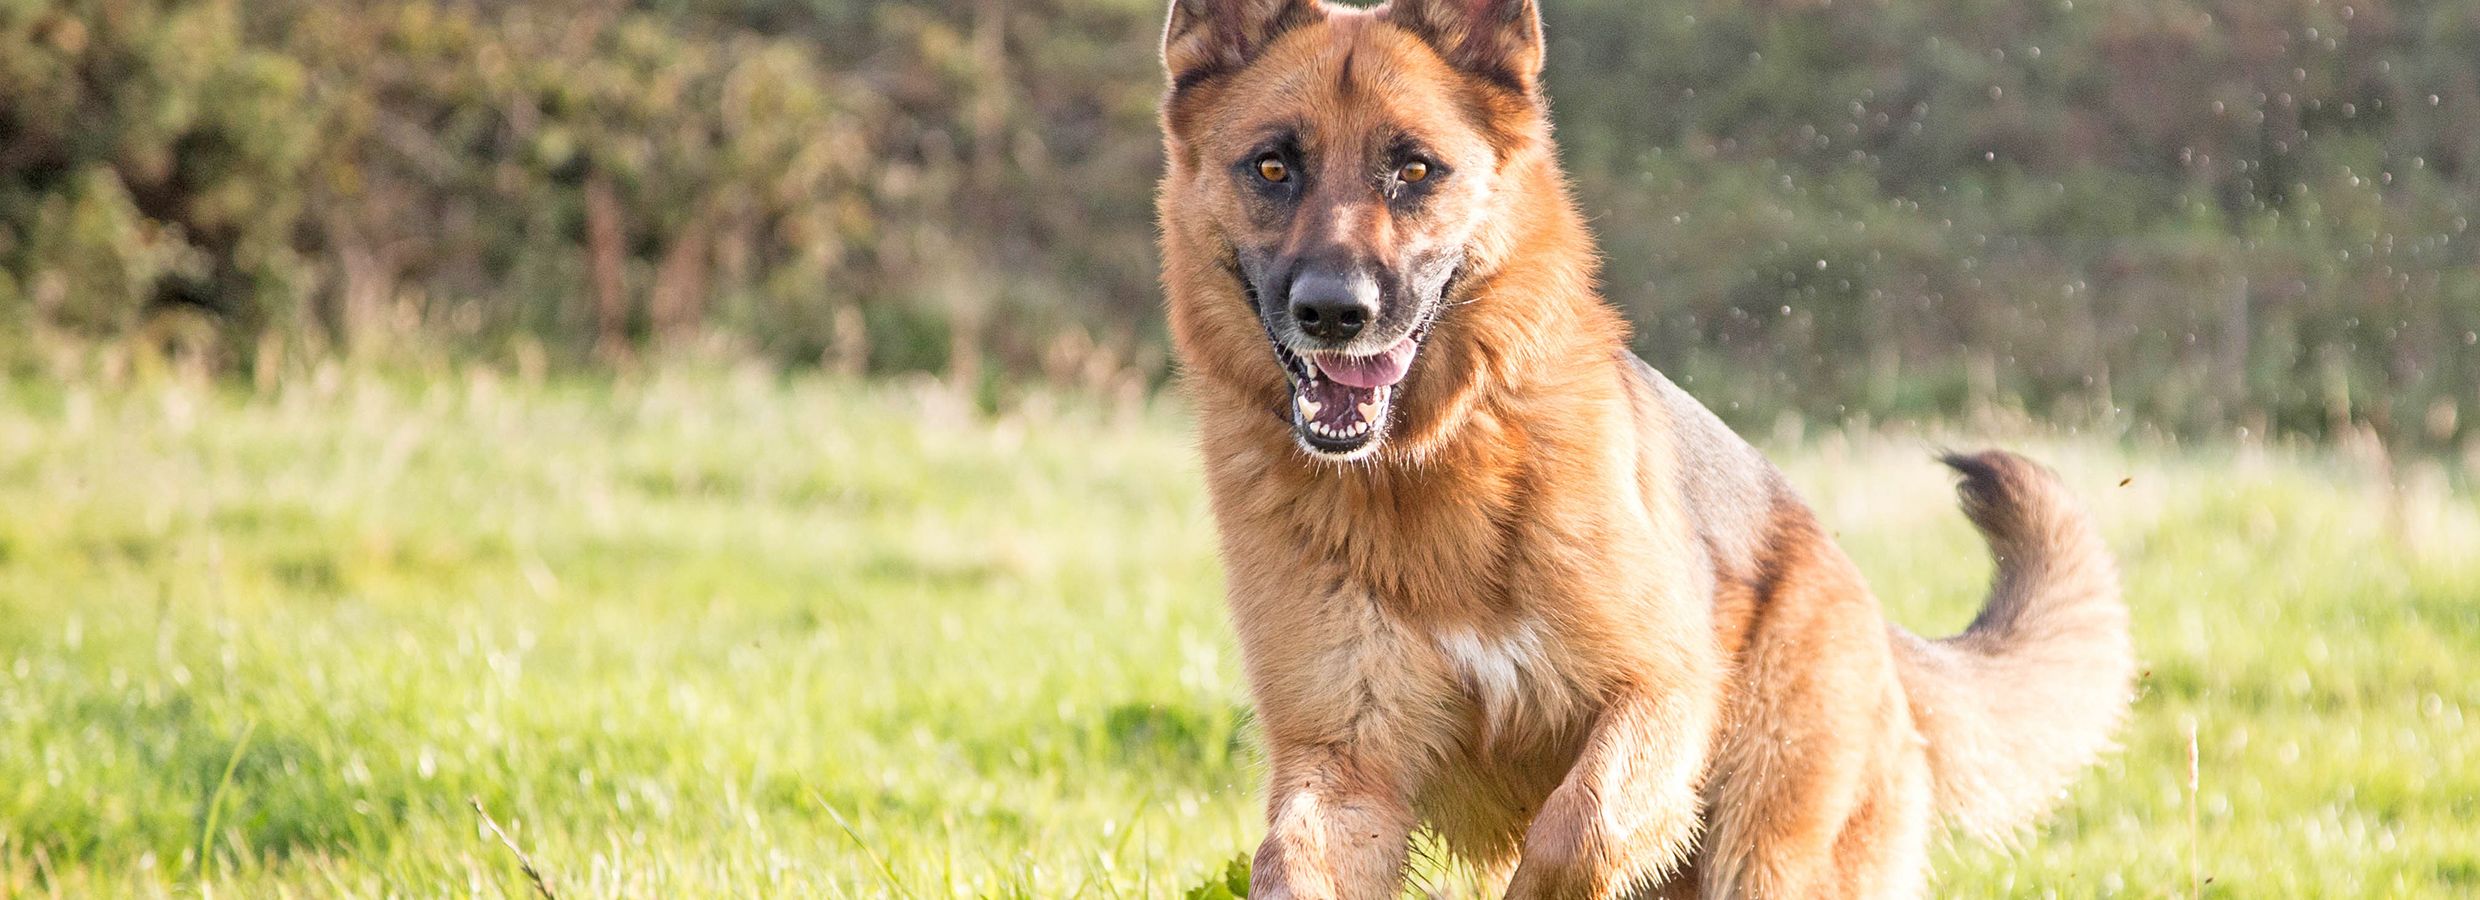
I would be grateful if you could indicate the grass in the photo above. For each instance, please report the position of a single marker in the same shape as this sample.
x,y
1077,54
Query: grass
x,y
723,633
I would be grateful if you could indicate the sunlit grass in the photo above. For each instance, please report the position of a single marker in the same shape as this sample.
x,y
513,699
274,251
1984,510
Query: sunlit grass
x,y
672,632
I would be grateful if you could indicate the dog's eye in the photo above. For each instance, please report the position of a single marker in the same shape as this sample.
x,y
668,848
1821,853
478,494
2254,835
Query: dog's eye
x,y
1413,172
1271,168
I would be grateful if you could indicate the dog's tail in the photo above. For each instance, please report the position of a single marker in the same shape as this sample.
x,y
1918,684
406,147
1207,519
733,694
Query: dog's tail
x,y
2021,701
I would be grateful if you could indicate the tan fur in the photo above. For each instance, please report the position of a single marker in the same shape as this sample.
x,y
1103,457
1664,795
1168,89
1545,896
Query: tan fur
x,y
1561,616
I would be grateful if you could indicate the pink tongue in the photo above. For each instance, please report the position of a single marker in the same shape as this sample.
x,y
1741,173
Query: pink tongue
x,y
1381,370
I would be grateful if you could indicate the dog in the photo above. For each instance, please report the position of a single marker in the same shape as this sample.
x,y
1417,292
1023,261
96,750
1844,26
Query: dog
x,y
1493,576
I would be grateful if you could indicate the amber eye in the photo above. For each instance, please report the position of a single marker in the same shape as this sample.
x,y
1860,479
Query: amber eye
x,y
1271,168
1413,171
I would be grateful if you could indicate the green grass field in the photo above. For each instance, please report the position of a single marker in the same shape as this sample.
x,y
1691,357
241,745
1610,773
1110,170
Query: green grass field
x,y
672,633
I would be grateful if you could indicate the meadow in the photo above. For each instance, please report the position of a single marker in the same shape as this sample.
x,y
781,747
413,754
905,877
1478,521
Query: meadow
x,y
714,631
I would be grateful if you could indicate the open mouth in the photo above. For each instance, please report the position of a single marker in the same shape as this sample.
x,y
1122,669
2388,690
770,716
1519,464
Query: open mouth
x,y
1340,401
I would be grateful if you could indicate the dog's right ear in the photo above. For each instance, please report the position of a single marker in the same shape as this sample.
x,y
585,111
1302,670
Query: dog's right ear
x,y
1206,38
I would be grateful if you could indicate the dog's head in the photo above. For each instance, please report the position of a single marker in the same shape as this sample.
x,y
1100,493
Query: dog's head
x,y
1334,175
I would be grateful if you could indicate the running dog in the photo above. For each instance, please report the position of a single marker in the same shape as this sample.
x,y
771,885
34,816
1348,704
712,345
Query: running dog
x,y
1495,577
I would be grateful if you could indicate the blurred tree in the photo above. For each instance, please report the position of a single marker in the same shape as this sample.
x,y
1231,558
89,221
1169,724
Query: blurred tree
x,y
148,159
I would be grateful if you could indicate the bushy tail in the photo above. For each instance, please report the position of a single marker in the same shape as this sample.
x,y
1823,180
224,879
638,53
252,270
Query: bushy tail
x,y
2019,703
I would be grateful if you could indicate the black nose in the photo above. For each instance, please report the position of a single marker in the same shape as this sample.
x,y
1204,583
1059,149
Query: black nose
x,y
1333,306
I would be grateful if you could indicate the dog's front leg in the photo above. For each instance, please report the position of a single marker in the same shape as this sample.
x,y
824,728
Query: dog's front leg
x,y
1627,812
1338,828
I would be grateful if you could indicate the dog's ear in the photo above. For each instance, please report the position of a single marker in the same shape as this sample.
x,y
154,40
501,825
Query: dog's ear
x,y
1205,38
1495,39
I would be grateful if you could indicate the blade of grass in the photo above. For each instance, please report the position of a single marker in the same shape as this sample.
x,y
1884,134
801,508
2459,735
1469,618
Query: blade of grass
x,y
885,872
525,862
215,802
947,838
2195,887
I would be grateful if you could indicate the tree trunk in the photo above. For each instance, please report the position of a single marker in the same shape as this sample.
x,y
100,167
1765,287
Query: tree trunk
x,y
606,254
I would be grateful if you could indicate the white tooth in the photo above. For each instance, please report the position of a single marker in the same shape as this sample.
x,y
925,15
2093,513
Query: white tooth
x,y
1369,411
1308,408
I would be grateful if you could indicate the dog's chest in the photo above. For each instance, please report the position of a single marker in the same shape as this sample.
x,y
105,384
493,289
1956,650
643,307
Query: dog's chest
x,y
1505,668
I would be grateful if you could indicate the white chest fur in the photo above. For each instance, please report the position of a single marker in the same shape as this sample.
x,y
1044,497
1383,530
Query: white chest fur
x,y
1501,667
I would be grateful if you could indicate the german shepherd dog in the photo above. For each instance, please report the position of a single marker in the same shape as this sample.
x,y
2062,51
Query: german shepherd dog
x,y
1495,577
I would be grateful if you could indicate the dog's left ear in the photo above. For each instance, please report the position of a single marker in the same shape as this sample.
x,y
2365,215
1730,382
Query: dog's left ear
x,y
1495,39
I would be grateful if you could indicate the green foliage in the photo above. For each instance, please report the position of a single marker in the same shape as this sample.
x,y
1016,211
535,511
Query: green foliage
x,y
149,157
1230,884
471,147
799,180
668,630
